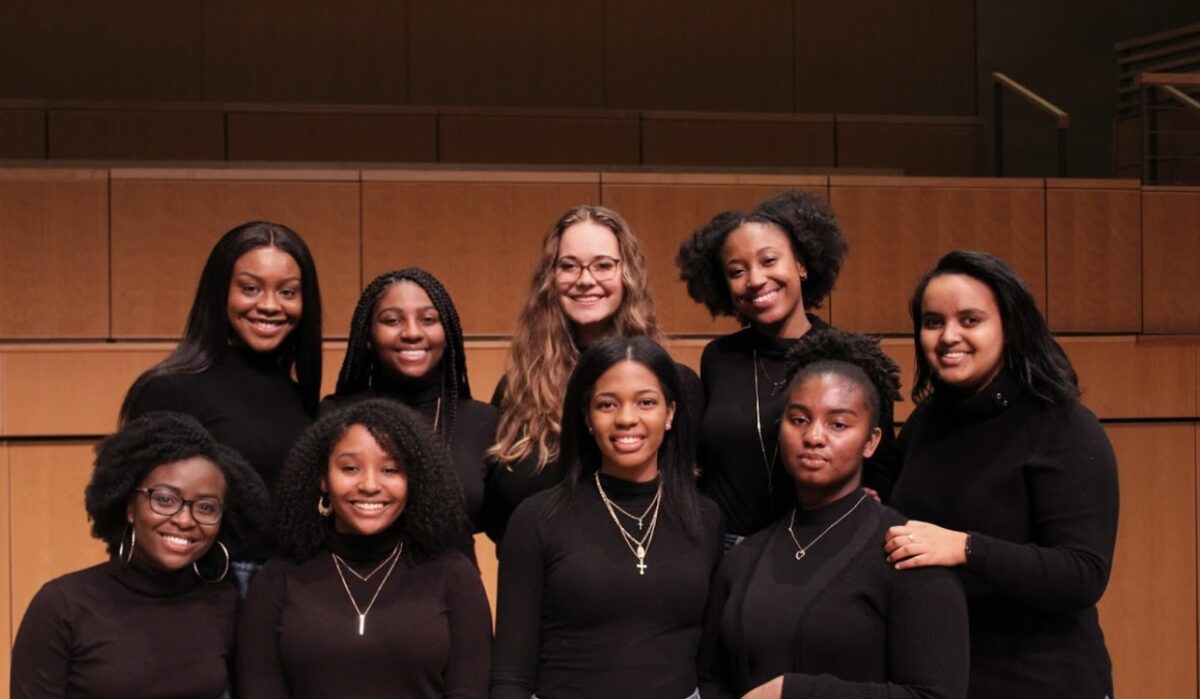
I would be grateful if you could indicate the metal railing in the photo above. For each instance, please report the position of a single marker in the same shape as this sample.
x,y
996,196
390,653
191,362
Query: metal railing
x,y
1062,121
1166,84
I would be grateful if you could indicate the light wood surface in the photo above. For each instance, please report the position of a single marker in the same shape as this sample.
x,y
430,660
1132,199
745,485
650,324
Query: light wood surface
x,y
7,627
1136,378
1170,258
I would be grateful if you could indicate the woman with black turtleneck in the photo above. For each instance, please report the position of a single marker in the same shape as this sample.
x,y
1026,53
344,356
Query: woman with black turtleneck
x,y
406,344
369,598
603,578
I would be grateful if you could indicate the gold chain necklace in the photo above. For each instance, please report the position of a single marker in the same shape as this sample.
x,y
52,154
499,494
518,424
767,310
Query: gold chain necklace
x,y
630,515
370,575
638,547
802,551
437,414
362,613
768,464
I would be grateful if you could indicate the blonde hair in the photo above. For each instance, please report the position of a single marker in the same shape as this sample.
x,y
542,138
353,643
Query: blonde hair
x,y
543,351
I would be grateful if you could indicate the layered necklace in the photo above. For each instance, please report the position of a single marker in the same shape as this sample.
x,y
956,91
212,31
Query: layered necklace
x,y
639,547
338,564
802,551
768,464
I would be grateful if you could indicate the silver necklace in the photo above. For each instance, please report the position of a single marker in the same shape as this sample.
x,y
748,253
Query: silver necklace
x,y
802,551
768,464
638,547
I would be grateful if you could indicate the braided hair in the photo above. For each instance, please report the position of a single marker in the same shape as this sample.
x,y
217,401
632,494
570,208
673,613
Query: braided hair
x,y
855,357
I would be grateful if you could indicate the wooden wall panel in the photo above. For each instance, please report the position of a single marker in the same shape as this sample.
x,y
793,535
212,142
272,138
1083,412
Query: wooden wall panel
x,y
134,49
315,136
163,230
486,360
531,53
7,627
48,525
1170,256
54,253
191,134
716,140
596,139
1093,256
1127,377
700,54
480,238
1149,611
288,51
884,57
899,227
946,146
22,134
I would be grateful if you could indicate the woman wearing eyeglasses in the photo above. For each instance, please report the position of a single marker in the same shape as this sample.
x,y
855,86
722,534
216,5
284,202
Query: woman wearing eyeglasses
x,y
159,618
590,283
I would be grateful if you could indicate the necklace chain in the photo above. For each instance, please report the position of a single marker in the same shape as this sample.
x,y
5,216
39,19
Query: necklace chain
x,y
768,464
368,576
802,551
437,414
362,613
653,504
638,547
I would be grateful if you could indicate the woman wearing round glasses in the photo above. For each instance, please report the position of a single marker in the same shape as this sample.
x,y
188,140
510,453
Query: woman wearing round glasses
x,y
160,616
590,283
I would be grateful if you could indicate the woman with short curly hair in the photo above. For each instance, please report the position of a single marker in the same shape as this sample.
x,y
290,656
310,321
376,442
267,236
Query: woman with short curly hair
x,y
766,268
169,502
369,596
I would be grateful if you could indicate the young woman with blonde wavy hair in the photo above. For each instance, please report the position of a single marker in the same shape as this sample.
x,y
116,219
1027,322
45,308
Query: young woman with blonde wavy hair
x,y
590,283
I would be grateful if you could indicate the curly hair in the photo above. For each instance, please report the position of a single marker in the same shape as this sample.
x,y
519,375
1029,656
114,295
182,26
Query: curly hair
x,y
811,229
433,516
360,366
852,356
544,352
124,458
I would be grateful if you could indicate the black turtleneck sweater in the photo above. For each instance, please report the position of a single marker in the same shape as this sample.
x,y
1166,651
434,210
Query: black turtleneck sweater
x,y
1035,485
125,632
575,618
427,636
841,623
473,431
734,468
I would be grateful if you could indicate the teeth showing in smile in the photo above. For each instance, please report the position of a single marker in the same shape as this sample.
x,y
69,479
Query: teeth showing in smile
x,y
628,440
267,325
765,298
413,354
587,300
369,506
177,541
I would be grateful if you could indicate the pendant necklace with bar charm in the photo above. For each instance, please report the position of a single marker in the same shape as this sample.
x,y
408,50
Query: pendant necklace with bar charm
x,y
362,613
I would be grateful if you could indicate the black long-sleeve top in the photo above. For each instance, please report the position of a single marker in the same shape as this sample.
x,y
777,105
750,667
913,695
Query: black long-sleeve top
x,y
841,623
1035,485
427,636
734,469
126,632
575,618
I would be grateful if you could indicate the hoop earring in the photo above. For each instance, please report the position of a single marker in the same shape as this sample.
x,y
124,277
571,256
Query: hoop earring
x,y
324,508
121,547
224,572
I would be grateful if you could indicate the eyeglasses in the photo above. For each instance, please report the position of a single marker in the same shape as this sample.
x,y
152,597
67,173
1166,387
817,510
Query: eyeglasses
x,y
168,503
602,268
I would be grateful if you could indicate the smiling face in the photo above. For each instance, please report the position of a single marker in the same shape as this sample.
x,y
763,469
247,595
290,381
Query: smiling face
x,y
827,431
629,416
264,303
962,333
588,303
764,278
174,542
407,335
367,488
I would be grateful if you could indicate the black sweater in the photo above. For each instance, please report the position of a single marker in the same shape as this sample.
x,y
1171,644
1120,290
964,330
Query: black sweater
x,y
576,619
731,457
125,632
840,623
428,635
1036,487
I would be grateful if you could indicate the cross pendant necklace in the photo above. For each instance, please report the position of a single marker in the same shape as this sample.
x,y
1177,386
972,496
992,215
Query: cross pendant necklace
x,y
641,556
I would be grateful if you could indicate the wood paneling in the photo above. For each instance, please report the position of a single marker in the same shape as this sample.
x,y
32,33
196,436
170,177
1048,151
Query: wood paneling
x,y
672,138
53,253
946,146
22,134
1149,611
134,49
700,54
1093,257
489,568
48,525
486,360
530,53
137,135
1126,377
1170,257
306,51
163,230
664,213
898,228
7,627
315,136
481,239
598,139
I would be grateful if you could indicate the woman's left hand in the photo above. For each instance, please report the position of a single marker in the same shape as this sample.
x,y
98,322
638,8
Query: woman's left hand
x,y
772,689
916,544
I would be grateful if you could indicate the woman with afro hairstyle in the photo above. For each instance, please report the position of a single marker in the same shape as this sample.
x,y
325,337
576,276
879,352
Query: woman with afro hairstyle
x,y
1010,481
169,502
766,268
406,344
255,323
603,579
590,283
807,607
368,597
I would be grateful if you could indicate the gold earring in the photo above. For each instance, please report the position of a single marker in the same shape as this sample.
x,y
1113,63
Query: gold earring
x,y
121,548
324,508
224,572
